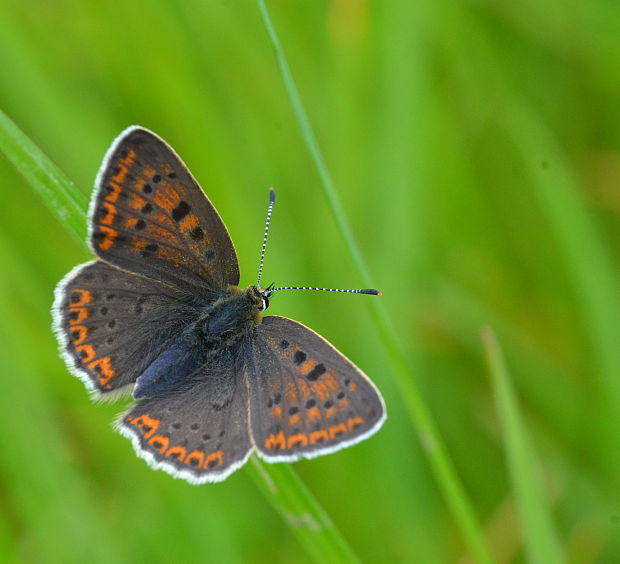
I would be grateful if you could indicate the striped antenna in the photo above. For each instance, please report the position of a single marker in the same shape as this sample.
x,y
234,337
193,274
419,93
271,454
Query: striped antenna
x,y
365,291
272,201
270,290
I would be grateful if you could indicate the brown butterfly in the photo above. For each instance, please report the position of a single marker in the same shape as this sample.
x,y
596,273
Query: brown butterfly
x,y
160,310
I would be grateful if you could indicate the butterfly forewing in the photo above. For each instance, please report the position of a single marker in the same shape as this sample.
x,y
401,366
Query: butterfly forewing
x,y
149,216
112,324
199,433
306,398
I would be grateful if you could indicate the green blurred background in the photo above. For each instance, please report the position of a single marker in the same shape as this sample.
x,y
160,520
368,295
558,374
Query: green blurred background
x,y
475,146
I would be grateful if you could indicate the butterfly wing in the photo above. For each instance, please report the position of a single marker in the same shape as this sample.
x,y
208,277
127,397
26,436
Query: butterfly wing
x,y
149,216
306,398
111,324
198,433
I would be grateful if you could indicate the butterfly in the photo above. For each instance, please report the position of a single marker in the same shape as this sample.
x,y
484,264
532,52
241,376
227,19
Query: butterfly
x,y
159,312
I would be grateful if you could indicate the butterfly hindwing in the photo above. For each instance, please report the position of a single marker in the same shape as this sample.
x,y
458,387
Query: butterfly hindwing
x,y
306,398
149,216
111,324
198,432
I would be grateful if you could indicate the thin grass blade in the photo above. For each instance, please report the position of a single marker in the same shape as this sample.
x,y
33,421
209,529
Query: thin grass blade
x,y
298,507
58,192
542,545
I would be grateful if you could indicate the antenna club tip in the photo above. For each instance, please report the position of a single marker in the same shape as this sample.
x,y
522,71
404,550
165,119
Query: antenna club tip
x,y
371,292
272,195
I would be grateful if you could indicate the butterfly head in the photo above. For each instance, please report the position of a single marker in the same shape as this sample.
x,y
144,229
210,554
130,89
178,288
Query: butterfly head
x,y
262,295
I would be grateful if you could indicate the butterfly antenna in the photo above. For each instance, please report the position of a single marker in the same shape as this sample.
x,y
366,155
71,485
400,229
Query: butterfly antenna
x,y
270,290
364,291
272,201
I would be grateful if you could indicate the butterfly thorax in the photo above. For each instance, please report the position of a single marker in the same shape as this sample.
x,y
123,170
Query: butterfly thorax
x,y
230,317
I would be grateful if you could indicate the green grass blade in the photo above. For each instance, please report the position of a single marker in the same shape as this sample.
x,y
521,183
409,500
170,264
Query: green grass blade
x,y
588,261
279,482
541,543
292,499
439,458
58,192
587,256
313,146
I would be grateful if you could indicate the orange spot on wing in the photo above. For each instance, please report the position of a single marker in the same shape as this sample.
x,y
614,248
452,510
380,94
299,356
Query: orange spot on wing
x,y
167,197
161,218
146,422
190,221
335,429
352,387
82,333
89,353
294,419
298,438
196,455
163,202
137,202
180,450
318,435
82,314
275,441
276,411
131,222
163,442
331,382
304,388
354,422
105,369
121,174
307,366
331,412
320,389
314,413
171,255
217,456
108,219
115,190
130,158
84,297
344,403
157,232
173,193
137,244
108,239
291,393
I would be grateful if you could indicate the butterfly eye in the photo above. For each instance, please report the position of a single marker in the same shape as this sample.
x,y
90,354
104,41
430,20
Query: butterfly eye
x,y
265,303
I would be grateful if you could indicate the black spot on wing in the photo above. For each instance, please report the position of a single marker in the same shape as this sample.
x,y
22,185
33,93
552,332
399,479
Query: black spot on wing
x,y
197,233
316,372
180,211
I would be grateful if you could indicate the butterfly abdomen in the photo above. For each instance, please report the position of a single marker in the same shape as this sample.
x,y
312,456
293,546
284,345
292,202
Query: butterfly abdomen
x,y
176,363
